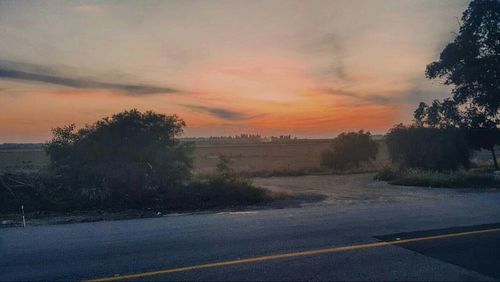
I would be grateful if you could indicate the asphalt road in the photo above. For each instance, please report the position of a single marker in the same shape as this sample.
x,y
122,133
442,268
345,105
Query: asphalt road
x,y
144,246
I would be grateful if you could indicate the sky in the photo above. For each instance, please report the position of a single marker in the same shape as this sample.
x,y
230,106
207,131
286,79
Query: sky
x,y
310,68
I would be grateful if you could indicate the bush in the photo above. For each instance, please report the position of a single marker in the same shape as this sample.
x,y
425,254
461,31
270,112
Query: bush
x,y
225,188
54,192
348,150
122,161
388,173
216,191
428,148
37,192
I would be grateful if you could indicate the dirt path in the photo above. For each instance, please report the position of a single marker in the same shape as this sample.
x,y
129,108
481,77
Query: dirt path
x,y
356,188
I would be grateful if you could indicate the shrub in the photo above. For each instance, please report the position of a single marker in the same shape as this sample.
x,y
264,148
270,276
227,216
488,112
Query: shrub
x,y
131,160
217,191
125,160
428,148
54,192
225,188
348,150
387,173
36,192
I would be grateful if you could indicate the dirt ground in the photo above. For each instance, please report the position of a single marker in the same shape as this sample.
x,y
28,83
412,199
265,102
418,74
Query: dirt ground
x,y
356,188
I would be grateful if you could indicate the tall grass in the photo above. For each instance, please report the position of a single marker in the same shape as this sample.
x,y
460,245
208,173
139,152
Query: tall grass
x,y
428,178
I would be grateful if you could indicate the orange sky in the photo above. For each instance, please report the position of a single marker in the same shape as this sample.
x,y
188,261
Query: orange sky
x,y
310,69
269,97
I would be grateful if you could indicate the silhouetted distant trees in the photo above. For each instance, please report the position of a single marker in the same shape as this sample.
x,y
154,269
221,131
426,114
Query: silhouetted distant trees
x,y
348,150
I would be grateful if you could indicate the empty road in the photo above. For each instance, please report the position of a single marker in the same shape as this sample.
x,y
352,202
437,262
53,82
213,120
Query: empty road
x,y
398,233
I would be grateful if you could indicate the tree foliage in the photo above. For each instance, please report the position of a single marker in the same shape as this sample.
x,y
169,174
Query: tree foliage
x,y
428,148
348,150
131,160
126,157
471,64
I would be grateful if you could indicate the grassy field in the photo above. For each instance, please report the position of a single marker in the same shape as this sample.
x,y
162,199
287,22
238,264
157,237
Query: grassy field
x,y
26,160
244,157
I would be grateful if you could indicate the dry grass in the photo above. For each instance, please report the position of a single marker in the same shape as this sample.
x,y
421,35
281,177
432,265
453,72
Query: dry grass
x,y
479,178
22,160
250,159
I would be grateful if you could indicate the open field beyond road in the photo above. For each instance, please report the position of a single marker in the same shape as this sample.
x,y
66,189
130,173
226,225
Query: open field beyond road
x,y
243,157
356,212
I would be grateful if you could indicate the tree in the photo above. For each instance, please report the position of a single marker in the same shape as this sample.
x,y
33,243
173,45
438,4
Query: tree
x,y
471,64
348,150
428,148
128,158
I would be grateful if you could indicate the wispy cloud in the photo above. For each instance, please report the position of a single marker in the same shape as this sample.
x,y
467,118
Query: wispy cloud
x,y
218,112
373,98
330,51
35,73
90,9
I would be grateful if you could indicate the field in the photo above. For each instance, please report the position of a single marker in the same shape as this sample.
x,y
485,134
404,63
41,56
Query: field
x,y
260,157
26,160
244,157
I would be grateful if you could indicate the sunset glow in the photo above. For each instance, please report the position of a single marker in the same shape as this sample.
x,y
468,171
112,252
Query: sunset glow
x,y
306,68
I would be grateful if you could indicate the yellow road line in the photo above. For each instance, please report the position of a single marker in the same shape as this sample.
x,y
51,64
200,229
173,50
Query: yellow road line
x,y
291,255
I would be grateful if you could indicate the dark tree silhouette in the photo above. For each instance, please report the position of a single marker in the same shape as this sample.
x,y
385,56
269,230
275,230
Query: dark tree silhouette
x,y
428,148
348,150
471,63
126,157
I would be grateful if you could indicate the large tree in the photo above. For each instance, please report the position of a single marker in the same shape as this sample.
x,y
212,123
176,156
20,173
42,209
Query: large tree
x,y
471,64
126,157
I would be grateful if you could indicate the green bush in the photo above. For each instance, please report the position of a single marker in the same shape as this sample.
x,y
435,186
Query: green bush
x,y
428,148
348,150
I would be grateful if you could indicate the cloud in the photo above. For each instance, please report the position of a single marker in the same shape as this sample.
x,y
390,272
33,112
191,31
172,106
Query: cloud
x,y
218,112
374,98
427,90
329,49
419,89
35,73
90,9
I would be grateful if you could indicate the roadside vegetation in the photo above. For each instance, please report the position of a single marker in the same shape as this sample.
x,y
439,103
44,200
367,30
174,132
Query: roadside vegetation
x,y
436,149
476,178
132,160
349,150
